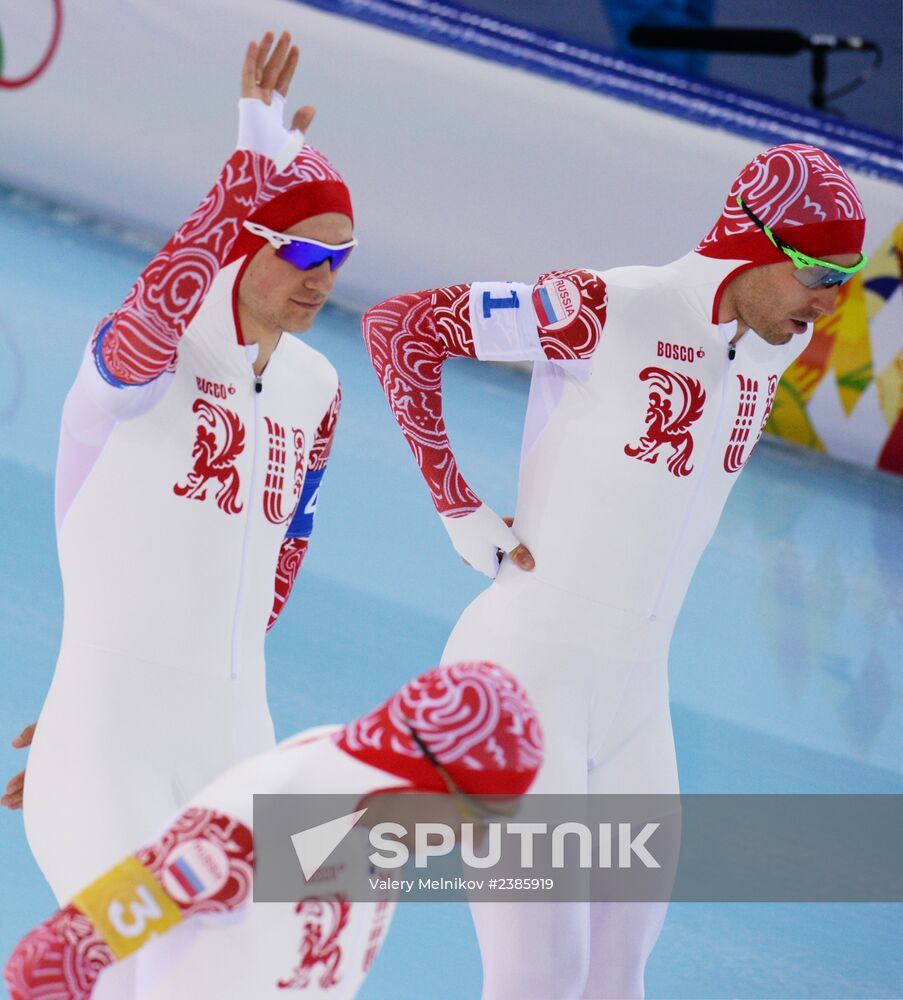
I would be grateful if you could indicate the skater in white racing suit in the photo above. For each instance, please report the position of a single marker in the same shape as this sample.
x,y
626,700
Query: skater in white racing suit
x,y
650,389
180,908
192,447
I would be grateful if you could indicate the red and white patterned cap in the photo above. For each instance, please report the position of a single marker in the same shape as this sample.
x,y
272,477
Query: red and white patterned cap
x,y
308,186
476,720
799,192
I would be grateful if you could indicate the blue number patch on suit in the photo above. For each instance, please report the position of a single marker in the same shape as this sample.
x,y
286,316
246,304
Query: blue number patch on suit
x,y
303,521
508,302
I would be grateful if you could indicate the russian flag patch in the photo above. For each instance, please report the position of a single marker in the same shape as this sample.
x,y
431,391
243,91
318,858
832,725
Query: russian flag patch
x,y
556,303
187,877
194,870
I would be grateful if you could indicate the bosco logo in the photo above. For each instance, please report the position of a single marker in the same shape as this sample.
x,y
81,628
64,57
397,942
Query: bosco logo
x,y
678,352
215,389
44,49
557,303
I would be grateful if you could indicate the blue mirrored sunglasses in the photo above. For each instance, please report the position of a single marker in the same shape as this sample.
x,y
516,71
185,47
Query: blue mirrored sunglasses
x,y
302,252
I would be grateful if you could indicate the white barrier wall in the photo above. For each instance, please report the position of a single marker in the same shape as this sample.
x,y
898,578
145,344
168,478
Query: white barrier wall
x,y
460,167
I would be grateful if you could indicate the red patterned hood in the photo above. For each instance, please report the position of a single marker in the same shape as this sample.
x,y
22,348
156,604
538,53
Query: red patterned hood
x,y
802,194
474,717
308,186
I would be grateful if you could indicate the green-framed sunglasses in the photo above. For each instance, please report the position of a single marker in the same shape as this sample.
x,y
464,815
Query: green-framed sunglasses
x,y
810,271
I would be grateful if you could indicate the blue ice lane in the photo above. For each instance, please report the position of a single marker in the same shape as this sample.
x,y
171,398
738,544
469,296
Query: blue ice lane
x,y
794,623
785,664
705,951
57,279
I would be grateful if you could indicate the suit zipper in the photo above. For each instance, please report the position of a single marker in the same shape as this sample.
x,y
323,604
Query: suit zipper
x,y
246,541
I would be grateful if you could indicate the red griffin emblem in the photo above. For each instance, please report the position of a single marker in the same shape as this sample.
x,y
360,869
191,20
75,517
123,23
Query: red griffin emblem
x,y
219,441
675,404
326,919
735,455
275,478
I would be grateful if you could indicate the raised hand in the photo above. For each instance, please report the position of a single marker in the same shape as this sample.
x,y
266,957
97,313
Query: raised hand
x,y
265,71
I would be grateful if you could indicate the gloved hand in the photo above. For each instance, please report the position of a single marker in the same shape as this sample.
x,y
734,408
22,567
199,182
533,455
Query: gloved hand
x,y
482,536
261,128
265,80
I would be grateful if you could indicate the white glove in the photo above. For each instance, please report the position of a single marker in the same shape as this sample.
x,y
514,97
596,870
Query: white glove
x,y
260,128
477,538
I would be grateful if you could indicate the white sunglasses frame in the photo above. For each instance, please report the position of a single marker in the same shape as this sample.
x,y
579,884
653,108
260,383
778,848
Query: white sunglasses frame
x,y
278,240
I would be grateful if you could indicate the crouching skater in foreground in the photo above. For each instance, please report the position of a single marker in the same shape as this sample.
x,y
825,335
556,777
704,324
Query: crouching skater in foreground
x,y
460,730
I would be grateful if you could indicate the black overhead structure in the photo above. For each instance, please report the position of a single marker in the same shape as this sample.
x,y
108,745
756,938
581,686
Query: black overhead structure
x,y
764,41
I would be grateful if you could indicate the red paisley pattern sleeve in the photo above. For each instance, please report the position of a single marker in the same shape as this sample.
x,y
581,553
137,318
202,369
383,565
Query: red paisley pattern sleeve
x,y
294,548
291,555
410,337
62,958
140,341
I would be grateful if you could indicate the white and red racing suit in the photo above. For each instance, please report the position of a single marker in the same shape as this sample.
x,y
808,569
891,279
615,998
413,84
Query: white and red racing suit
x,y
186,488
639,419
175,919
643,410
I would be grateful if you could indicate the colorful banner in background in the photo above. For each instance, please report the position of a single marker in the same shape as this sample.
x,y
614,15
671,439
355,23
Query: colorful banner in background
x,y
844,394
